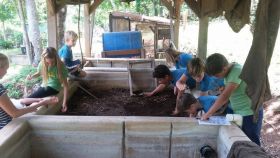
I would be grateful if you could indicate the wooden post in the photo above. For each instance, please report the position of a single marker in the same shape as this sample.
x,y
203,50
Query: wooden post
x,y
87,31
177,11
52,24
202,37
156,40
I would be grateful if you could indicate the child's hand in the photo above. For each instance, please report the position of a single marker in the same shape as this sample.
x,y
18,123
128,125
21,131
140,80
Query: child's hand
x,y
175,112
175,90
148,94
28,77
180,86
64,108
205,116
49,100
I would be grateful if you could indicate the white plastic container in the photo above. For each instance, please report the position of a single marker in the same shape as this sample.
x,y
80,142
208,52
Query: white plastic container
x,y
236,118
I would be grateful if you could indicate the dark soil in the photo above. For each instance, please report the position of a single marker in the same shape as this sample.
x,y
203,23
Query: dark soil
x,y
118,102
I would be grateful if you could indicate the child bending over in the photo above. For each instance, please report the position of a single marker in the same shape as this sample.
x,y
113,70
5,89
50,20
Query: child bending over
x,y
177,59
165,77
235,91
196,69
191,106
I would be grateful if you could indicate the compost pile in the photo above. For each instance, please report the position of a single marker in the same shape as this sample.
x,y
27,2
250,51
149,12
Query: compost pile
x,y
118,102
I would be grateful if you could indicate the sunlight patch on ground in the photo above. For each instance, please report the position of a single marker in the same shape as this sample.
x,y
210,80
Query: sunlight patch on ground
x,y
13,69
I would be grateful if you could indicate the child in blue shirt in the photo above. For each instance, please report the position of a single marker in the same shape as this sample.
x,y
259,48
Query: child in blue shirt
x,y
165,76
192,106
177,59
66,55
196,70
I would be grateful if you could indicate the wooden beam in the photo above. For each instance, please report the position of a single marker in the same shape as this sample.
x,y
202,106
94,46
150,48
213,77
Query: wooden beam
x,y
87,30
51,6
52,24
155,41
177,13
202,37
94,5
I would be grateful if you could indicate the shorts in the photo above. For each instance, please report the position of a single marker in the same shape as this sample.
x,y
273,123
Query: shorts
x,y
44,92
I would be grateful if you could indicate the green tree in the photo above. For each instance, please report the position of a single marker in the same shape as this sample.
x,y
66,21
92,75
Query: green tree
x,y
7,12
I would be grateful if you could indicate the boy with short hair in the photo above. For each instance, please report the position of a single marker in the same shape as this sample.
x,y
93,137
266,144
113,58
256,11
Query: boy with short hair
x,y
191,106
235,91
165,76
66,55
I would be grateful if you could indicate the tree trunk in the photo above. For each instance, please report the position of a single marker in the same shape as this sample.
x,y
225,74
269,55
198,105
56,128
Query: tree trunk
x,y
155,7
113,4
3,29
25,34
34,32
61,25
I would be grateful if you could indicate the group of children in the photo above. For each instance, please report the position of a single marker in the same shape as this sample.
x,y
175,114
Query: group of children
x,y
53,69
188,72
216,74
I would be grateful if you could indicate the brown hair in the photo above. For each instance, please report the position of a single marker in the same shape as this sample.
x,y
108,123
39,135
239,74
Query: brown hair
x,y
185,102
215,63
51,53
4,61
196,66
171,55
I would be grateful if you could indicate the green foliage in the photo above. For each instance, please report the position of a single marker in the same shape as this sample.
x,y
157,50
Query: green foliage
x,y
41,10
15,37
7,10
16,83
6,44
147,7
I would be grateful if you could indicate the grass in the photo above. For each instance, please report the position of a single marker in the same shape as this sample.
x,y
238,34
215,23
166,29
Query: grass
x,y
13,51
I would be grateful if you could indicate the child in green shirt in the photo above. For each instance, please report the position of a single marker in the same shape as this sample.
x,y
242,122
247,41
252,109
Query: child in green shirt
x,y
54,74
235,91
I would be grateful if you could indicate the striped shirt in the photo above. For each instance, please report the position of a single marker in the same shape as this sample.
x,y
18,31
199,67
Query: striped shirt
x,y
4,117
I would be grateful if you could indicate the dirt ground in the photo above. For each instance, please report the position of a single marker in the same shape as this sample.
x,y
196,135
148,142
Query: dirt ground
x,y
117,102
270,136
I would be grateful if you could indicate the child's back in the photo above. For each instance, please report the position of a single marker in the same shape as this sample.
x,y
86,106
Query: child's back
x,y
66,55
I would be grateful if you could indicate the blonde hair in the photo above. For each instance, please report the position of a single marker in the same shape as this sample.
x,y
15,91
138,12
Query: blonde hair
x,y
171,55
4,61
68,35
51,53
196,67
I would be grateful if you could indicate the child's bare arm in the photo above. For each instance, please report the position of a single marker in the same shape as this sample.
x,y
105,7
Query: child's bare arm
x,y
222,100
181,83
35,75
158,89
9,108
65,93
